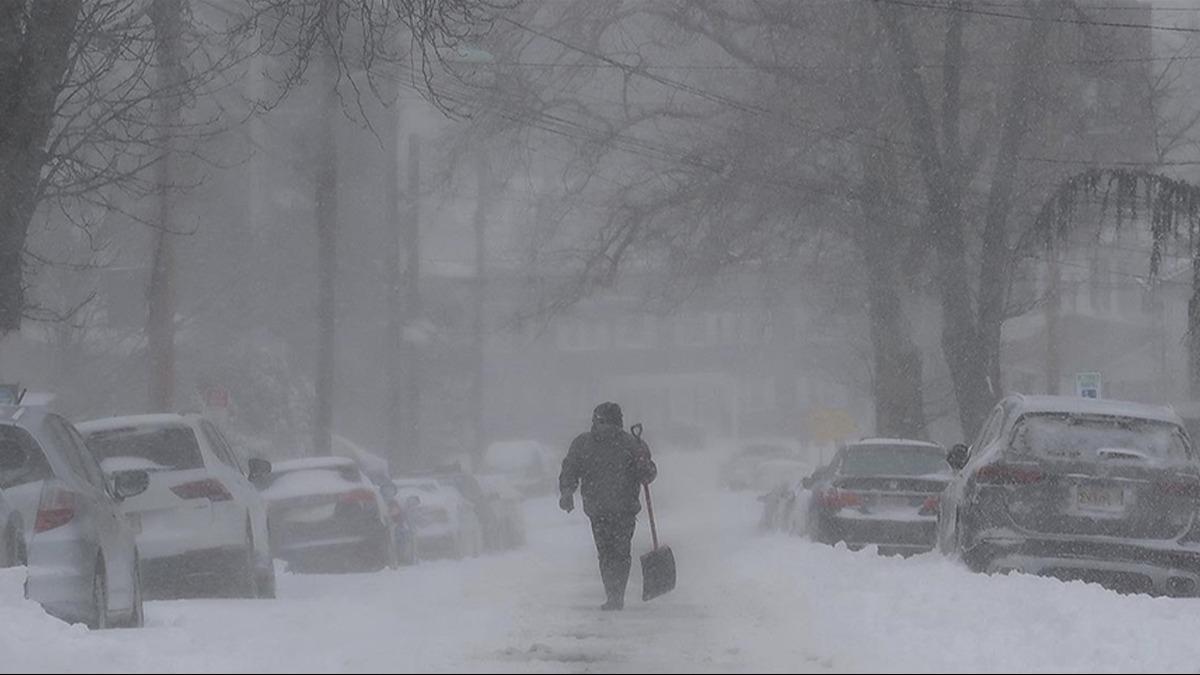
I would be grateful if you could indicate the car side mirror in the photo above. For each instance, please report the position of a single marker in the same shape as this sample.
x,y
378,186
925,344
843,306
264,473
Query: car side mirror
x,y
958,456
412,502
12,456
259,469
128,484
389,491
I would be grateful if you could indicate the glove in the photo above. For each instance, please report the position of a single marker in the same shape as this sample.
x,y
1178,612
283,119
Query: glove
x,y
567,503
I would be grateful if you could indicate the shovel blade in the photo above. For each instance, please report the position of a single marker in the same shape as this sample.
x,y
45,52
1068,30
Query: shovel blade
x,y
658,573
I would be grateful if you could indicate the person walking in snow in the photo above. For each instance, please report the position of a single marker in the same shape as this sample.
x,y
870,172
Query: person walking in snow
x,y
608,465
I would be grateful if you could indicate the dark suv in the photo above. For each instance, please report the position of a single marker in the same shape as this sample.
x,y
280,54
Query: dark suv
x,y
1074,488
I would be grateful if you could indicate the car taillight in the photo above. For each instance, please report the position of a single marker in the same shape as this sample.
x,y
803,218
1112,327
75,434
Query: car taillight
x,y
57,508
1007,474
359,496
840,499
209,488
1179,488
930,506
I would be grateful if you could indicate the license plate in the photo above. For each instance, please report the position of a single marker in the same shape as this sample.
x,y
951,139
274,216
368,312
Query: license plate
x,y
1102,498
311,514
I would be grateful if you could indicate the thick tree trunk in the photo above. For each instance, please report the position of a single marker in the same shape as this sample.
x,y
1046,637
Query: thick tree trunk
x,y
35,44
896,360
161,296
897,366
964,350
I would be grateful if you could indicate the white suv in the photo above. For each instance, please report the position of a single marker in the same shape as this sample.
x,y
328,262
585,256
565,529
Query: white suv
x,y
203,524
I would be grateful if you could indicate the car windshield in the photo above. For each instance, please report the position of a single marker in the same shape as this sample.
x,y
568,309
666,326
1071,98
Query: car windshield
x,y
168,448
1087,437
894,460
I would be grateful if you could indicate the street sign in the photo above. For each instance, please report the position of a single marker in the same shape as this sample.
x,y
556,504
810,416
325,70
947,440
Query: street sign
x,y
1087,385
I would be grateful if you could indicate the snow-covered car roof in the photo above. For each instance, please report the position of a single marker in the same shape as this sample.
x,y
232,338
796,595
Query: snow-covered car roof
x,y
135,421
895,441
1072,405
310,463
431,492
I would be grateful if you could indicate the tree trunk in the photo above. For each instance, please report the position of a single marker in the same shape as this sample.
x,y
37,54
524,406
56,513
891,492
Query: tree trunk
x,y
167,16
996,258
327,229
33,63
896,360
965,353
899,399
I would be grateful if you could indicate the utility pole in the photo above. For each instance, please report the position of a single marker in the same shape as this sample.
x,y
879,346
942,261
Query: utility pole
x,y
397,455
411,326
326,185
167,16
1052,310
483,180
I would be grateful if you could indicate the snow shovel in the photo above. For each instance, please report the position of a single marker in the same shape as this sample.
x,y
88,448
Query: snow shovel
x,y
658,566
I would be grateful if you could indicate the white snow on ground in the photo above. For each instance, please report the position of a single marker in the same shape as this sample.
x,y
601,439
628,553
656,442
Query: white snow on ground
x,y
745,602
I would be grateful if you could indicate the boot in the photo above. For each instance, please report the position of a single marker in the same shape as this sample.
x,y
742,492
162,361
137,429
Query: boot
x,y
613,605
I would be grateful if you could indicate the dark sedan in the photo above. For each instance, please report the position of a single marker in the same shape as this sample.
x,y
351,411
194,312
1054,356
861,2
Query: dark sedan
x,y
881,492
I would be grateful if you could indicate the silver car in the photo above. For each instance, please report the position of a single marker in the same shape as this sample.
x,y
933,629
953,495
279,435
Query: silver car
x,y
325,515
83,561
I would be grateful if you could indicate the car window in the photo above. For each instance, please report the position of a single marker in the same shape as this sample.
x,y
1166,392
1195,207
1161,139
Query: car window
x,y
220,447
894,460
1097,437
168,448
36,466
78,452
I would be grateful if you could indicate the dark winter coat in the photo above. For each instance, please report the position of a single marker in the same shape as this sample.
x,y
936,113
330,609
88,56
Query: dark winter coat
x,y
609,465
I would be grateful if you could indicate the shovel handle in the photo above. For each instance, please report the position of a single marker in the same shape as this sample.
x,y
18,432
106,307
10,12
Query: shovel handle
x,y
650,511
636,430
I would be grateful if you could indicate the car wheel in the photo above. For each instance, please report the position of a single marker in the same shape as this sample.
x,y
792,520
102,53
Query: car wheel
x,y
99,596
264,584
393,552
242,581
137,618
15,554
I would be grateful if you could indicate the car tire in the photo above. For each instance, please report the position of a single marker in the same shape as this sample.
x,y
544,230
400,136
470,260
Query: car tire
x,y
15,552
242,574
99,619
137,618
264,582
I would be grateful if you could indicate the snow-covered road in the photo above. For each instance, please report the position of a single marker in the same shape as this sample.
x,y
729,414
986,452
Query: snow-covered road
x,y
745,602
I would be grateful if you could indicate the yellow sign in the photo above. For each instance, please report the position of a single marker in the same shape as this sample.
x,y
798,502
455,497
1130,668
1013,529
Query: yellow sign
x,y
830,425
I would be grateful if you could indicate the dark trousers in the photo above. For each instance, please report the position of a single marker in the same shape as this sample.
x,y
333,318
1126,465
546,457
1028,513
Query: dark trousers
x,y
613,534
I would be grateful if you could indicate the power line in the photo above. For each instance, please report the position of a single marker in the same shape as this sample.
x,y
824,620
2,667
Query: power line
x,y
964,9
888,145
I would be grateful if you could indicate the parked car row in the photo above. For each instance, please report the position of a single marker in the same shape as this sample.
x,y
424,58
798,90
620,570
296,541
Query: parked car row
x,y
115,511
1077,489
